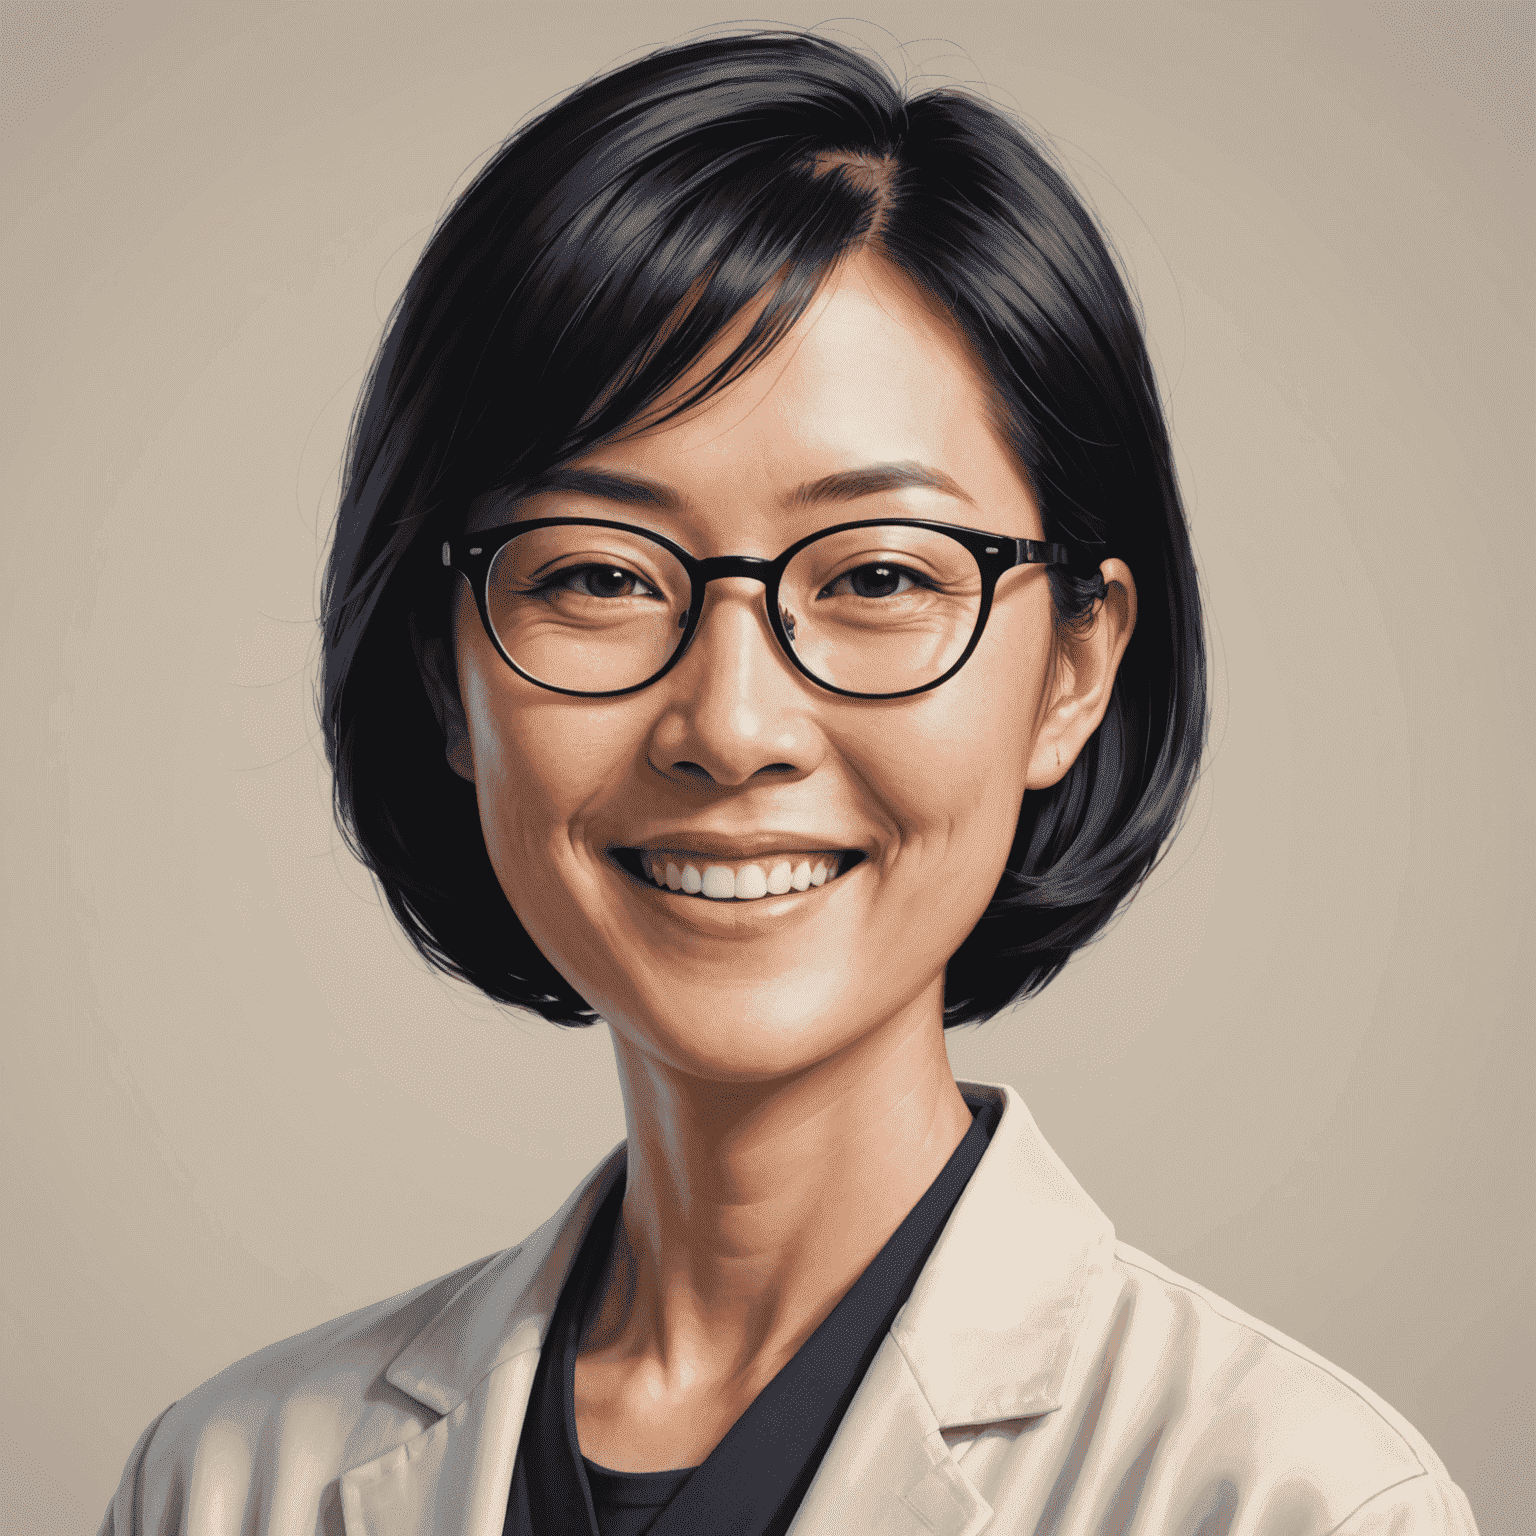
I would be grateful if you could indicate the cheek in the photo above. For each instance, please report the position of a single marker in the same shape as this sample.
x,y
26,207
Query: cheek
x,y
950,783
538,763
949,776
539,766
964,749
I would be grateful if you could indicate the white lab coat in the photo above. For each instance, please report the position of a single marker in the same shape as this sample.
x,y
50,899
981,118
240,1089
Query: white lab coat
x,y
1042,1378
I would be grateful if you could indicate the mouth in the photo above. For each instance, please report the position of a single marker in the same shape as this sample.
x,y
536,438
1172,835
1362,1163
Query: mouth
x,y
686,872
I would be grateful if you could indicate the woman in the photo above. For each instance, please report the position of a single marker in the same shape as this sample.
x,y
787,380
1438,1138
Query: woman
x,y
761,616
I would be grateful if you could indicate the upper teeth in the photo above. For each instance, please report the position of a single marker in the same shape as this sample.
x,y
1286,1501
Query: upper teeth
x,y
746,882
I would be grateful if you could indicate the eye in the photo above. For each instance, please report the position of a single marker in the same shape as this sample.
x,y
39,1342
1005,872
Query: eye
x,y
878,580
606,581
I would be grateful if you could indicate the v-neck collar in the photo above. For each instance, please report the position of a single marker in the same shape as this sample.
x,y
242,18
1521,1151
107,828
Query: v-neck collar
x,y
752,1483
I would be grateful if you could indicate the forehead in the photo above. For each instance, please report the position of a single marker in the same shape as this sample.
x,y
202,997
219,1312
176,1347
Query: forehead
x,y
873,374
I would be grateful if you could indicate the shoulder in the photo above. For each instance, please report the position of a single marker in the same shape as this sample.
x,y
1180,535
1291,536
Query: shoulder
x,y
1178,1412
1264,1416
281,1425
1077,1380
264,1442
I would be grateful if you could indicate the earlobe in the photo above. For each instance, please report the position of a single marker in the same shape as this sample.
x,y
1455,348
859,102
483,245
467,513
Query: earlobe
x,y
440,679
1087,660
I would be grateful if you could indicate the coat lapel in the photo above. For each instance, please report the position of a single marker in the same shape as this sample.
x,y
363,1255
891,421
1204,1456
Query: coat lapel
x,y
474,1364
888,1469
452,1479
992,1325
989,1333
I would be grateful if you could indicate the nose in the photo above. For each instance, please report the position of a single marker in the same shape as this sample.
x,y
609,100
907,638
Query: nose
x,y
735,708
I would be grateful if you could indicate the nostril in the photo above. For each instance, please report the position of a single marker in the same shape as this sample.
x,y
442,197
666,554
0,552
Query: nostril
x,y
695,771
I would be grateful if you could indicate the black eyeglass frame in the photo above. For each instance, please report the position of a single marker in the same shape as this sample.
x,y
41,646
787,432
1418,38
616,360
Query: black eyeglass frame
x,y
472,558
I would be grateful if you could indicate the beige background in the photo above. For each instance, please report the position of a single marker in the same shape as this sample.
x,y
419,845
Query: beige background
x,y
1298,1069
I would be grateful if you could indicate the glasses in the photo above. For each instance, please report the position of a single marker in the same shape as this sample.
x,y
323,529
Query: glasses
x,y
873,610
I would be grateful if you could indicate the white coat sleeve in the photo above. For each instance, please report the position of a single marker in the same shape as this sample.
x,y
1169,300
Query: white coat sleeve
x,y
124,1515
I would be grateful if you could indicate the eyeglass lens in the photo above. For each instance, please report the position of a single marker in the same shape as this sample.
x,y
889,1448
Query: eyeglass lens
x,y
871,610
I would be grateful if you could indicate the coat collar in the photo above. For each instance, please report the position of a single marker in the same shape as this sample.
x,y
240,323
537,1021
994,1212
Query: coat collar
x,y
989,1332
474,1364
991,1327
504,1309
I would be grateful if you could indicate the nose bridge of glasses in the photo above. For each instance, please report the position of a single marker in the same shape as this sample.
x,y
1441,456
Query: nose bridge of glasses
x,y
730,567
753,567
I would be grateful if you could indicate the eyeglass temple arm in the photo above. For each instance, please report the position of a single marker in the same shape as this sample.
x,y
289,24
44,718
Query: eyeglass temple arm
x,y
1037,552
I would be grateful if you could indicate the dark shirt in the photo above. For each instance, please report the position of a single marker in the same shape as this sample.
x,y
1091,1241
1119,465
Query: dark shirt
x,y
752,1483
627,1502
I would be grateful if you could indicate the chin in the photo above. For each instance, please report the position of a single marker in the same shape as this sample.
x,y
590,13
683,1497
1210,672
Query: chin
x,y
750,1034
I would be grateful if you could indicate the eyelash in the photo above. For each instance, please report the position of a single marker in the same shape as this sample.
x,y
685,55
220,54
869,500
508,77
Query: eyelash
x,y
562,580
904,572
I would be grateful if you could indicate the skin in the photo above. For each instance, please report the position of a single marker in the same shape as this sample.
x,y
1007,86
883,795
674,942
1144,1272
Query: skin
x,y
787,1093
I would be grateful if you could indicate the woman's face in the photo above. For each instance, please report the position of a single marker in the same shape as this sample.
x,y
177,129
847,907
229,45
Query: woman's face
x,y
735,759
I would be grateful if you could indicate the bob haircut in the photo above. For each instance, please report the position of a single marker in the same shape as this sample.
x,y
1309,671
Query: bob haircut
x,y
596,257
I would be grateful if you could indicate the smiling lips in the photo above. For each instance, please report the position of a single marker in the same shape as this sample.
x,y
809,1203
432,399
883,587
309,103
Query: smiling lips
x,y
739,880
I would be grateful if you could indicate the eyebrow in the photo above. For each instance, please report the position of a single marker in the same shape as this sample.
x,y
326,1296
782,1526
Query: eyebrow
x,y
604,485
851,484
846,485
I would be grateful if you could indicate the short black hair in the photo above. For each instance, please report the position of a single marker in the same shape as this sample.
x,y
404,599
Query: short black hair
x,y
594,258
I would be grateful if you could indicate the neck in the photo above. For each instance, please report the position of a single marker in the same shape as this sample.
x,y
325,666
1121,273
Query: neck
x,y
750,1208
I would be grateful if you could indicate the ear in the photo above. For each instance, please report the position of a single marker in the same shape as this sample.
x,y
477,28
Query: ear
x,y
440,678
1087,659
